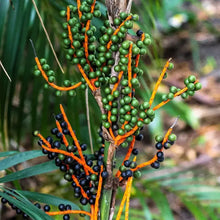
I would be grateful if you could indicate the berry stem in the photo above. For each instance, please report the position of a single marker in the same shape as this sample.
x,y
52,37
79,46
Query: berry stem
x,y
98,195
127,190
68,212
158,82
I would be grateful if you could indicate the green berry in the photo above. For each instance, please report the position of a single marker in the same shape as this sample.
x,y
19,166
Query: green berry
x,y
171,66
170,96
124,145
159,138
192,78
117,21
137,174
140,124
61,156
37,73
147,121
147,41
106,124
186,81
173,89
191,86
172,137
104,117
184,95
198,86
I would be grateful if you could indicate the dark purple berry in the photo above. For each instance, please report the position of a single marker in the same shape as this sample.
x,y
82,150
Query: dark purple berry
x,y
159,145
139,33
139,137
91,201
101,150
59,135
83,147
46,208
129,173
127,163
104,174
4,201
68,207
37,205
89,163
66,217
59,117
83,201
54,131
156,165
49,139
61,207
63,124
135,151
123,174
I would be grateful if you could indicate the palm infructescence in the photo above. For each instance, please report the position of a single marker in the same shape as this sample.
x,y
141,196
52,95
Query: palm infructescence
x,y
109,66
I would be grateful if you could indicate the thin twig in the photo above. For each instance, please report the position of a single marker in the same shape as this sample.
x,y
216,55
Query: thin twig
x,y
47,35
5,71
88,118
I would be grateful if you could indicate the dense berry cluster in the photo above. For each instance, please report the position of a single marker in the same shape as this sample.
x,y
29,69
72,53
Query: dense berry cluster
x,y
83,177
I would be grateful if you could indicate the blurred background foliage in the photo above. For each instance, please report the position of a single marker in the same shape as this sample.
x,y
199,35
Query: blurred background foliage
x,y
183,29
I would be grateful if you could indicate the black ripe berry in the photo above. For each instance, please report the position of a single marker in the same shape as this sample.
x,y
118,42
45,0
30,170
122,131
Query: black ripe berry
x,y
68,207
61,207
101,150
59,117
46,208
96,168
123,174
91,201
156,164
63,124
139,33
135,151
104,174
160,156
139,137
59,135
83,147
4,201
37,205
159,145
89,163
63,168
129,173
18,211
83,201
66,217
127,163
54,131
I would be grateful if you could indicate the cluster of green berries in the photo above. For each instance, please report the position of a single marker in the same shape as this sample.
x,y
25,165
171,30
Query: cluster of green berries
x,y
160,146
69,166
191,88
51,76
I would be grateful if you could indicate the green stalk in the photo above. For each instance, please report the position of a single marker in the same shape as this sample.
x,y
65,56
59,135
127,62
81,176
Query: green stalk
x,y
106,197
105,204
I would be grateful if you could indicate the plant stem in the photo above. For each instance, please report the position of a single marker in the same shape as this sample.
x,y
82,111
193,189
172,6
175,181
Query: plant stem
x,y
105,204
